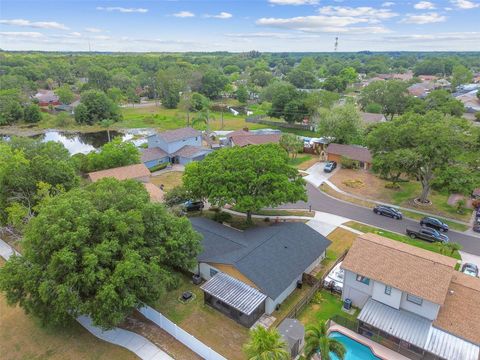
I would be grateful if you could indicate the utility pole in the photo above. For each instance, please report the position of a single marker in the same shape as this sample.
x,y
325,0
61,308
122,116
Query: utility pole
x,y
222,115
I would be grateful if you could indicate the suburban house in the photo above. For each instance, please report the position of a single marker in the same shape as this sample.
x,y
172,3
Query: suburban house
x,y
335,152
421,90
179,146
250,273
372,118
46,97
413,298
244,138
470,101
137,172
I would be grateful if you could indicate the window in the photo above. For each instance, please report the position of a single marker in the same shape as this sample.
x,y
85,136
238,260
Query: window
x,y
363,279
414,299
213,272
388,290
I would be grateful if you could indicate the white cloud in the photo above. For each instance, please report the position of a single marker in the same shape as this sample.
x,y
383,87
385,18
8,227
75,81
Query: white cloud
x,y
441,37
20,34
424,5
222,15
122,9
93,30
34,24
184,14
465,4
388,4
365,12
426,18
293,2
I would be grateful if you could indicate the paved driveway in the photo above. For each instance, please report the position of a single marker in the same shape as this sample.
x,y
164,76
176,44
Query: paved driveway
x,y
322,202
316,175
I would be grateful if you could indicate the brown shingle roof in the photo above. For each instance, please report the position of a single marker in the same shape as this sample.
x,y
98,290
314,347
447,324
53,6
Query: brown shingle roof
x,y
121,173
460,314
408,268
372,118
153,154
189,151
244,140
156,195
354,152
178,134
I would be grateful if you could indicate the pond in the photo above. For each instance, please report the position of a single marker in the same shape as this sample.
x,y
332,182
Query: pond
x,y
78,142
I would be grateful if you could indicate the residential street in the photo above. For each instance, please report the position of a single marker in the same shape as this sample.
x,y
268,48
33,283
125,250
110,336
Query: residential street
x,y
321,202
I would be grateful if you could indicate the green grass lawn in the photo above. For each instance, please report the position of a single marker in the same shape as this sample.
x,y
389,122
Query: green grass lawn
x,y
300,159
324,306
435,247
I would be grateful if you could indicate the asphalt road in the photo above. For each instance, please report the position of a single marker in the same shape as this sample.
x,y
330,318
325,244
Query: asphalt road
x,y
321,202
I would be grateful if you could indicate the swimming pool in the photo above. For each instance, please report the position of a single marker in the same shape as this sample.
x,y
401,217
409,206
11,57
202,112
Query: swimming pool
x,y
355,350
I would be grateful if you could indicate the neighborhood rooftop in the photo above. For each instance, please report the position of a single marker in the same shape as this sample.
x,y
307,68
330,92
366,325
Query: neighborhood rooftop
x,y
255,139
178,134
271,257
354,152
153,153
121,173
411,269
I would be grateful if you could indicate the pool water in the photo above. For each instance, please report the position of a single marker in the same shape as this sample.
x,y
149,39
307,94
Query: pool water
x,y
355,350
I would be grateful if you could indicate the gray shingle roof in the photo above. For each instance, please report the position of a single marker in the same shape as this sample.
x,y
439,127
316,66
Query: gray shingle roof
x,y
354,152
153,154
271,257
178,134
189,151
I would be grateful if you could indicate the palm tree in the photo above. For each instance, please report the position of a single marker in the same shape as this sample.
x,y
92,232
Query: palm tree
x,y
318,342
265,345
204,117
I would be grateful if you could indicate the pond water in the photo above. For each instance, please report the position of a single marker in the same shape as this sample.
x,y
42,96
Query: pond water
x,y
86,142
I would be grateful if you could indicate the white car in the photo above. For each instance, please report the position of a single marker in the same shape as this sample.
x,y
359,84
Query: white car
x,y
335,278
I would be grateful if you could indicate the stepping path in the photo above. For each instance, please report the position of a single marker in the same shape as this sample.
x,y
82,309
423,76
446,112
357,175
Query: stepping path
x,y
137,344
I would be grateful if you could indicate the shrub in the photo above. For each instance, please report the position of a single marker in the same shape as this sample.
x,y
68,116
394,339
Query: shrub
x,y
175,196
354,183
222,217
476,203
348,163
461,206
158,167
392,185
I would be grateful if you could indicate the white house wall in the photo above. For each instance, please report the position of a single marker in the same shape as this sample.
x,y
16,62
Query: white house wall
x,y
356,291
393,300
270,304
428,309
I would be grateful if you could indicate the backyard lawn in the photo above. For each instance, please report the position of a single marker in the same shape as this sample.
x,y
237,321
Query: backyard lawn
x,y
366,184
435,247
169,179
341,240
205,323
304,161
23,337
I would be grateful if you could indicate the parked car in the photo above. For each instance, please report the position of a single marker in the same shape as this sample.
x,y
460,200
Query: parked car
x,y
470,269
330,166
193,205
388,211
334,279
428,234
434,223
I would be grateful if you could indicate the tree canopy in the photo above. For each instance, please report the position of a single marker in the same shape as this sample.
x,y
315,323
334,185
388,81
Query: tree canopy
x,y
94,107
391,95
251,178
100,251
343,123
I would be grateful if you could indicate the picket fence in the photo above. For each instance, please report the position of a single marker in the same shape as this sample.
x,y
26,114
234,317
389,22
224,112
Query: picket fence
x,y
181,335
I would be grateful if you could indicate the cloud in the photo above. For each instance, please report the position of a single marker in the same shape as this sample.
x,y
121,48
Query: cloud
x,y
20,34
93,30
271,35
222,15
464,4
424,5
366,12
293,2
34,24
184,14
388,4
441,37
122,9
426,18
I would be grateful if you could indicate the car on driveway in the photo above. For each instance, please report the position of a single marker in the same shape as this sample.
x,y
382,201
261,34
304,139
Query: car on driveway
x,y
388,211
193,205
470,269
434,223
330,166
428,234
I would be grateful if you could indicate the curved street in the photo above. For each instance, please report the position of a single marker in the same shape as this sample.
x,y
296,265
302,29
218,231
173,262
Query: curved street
x,y
322,202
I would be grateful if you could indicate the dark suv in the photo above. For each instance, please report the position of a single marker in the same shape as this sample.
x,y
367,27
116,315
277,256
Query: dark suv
x,y
434,223
388,211
330,166
193,205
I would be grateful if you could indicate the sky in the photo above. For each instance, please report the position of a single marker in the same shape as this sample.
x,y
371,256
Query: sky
x,y
240,25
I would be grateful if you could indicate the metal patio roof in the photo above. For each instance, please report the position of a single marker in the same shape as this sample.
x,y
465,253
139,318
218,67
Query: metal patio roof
x,y
234,292
448,346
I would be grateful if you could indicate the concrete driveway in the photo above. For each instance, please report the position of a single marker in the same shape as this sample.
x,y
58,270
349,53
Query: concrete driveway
x,y
316,176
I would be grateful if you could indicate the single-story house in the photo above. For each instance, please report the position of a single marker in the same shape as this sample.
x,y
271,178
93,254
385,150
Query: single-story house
x,y
470,101
372,118
179,146
137,172
252,272
335,152
421,90
46,97
244,138
156,194
414,298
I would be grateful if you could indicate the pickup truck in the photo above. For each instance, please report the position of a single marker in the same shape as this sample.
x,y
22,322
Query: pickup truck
x,y
427,234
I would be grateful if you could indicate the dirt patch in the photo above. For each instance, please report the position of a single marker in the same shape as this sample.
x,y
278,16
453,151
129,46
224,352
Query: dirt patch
x,y
142,326
354,183
371,187
169,179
